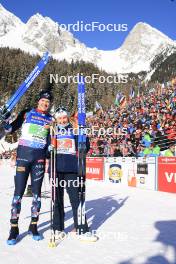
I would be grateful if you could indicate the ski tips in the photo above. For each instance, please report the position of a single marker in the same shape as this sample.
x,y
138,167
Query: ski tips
x,y
46,56
52,244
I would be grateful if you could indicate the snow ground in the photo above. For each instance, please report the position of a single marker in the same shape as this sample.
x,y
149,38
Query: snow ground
x,y
135,227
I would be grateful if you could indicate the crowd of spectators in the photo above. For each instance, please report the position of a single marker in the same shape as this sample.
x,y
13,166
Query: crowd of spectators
x,y
141,125
144,125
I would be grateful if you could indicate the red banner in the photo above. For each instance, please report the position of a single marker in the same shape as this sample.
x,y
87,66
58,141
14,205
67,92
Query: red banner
x,y
95,168
167,174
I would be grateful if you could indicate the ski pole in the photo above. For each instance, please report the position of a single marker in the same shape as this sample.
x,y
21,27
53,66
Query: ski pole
x,y
52,242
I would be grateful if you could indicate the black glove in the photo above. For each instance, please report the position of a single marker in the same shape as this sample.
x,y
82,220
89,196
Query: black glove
x,y
7,127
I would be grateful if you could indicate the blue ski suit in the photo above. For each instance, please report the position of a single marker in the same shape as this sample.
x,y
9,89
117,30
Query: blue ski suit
x,y
31,156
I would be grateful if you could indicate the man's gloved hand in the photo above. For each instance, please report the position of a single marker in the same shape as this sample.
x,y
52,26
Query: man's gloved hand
x,y
7,127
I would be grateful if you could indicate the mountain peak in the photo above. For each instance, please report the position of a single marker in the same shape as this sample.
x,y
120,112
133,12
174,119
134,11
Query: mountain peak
x,y
8,21
142,28
4,12
142,25
36,17
140,47
142,36
44,33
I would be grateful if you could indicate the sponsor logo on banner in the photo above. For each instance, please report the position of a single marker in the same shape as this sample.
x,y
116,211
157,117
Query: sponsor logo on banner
x,y
167,159
142,171
95,168
170,177
142,168
167,174
115,173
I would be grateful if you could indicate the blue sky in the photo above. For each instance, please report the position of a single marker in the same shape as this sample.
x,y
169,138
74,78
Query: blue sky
x,y
158,13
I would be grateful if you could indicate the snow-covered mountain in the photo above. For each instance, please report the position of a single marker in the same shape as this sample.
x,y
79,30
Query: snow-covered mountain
x,y
139,49
8,22
40,33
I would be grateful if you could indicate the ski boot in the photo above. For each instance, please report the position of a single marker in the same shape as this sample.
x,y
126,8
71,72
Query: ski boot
x,y
14,233
33,230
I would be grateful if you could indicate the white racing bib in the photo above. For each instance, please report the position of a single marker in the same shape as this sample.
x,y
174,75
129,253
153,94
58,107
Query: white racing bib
x,y
66,145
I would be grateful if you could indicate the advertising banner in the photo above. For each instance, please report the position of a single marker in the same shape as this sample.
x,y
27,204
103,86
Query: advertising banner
x,y
95,168
114,171
167,174
146,173
131,171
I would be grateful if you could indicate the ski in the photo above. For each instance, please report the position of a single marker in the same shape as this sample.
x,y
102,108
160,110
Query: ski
x,y
81,152
52,240
11,103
